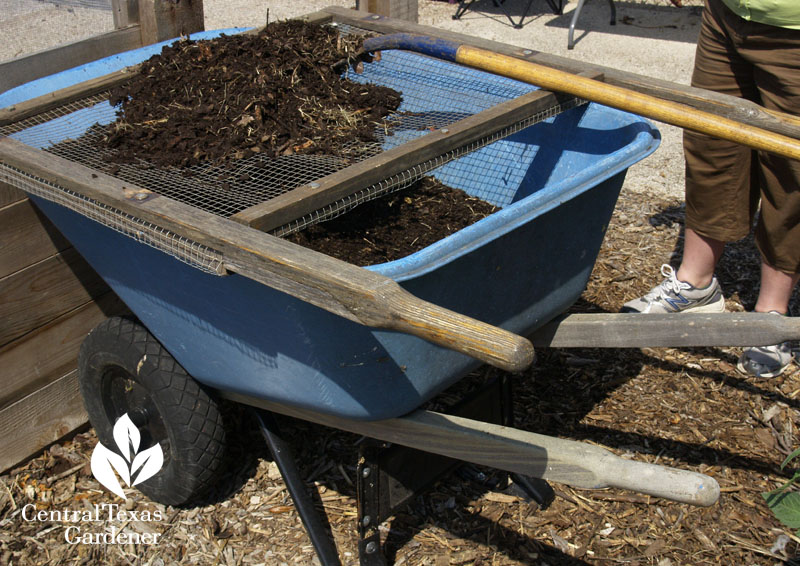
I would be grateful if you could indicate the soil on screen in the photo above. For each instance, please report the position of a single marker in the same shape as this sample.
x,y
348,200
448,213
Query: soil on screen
x,y
274,93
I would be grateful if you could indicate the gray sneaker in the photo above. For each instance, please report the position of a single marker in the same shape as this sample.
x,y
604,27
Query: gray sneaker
x,y
673,295
766,361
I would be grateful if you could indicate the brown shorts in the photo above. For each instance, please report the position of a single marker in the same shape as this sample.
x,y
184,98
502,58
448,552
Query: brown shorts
x,y
725,181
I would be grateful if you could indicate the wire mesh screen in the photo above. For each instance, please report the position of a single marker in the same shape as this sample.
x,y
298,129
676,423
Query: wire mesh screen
x,y
435,95
184,249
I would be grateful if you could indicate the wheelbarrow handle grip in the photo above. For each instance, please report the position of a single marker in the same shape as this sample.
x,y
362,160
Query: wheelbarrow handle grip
x,y
561,460
407,313
631,330
549,78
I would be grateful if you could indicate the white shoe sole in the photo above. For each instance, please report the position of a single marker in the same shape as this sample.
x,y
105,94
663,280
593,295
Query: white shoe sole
x,y
741,369
718,306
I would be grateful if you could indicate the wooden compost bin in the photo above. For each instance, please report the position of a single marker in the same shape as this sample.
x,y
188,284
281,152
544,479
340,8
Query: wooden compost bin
x,y
49,299
49,296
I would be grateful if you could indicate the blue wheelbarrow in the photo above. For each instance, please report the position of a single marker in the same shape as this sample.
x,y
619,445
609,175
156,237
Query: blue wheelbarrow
x,y
224,307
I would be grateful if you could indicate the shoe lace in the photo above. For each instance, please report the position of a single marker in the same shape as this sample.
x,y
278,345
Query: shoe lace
x,y
670,285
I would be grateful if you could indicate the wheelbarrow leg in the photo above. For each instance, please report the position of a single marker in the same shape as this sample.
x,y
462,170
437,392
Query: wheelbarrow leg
x,y
390,476
370,551
282,454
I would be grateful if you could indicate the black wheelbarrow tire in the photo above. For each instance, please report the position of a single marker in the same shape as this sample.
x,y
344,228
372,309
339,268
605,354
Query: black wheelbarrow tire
x,y
124,369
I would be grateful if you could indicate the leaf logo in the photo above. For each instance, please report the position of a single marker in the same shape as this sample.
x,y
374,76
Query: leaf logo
x,y
105,462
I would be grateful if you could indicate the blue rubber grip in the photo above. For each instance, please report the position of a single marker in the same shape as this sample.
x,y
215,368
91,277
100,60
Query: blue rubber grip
x,y
440,48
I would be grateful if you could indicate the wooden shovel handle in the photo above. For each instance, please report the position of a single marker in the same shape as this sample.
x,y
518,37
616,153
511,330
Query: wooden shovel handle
x,y
649,106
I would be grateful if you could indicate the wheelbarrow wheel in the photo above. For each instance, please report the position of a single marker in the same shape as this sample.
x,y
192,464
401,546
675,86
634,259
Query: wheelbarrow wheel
x,y
124,370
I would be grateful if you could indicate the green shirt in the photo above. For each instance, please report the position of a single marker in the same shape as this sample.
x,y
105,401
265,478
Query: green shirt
x,y
781,13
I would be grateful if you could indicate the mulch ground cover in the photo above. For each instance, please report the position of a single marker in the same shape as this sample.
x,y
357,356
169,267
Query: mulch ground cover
x,y
687,408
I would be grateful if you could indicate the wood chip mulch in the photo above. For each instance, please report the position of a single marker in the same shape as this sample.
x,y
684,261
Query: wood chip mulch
x,y
686,408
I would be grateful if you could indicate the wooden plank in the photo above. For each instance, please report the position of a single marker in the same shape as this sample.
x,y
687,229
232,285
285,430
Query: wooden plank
x,y
631,330
44,63
565,461
305,199
320,17
720,104
39,357
37,294
10,195
349,291
65,95
27,237
41,418
164,19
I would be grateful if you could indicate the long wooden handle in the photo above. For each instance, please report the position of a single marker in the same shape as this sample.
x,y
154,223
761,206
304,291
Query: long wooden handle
x,y
666,111
352,292
719,104
629,330
34,106
564,461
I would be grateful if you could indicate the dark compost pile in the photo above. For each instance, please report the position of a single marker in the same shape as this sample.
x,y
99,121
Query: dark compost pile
x,y
272,93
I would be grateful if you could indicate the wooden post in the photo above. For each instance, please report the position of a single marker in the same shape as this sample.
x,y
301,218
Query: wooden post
x,y
165,19
126,13
400,9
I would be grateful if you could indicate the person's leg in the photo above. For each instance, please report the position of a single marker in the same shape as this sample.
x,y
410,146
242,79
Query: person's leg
x,y
778,229
700,257
776,289
775,55
722,187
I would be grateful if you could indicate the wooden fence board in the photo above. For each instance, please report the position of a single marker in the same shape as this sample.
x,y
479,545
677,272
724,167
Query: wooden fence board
x,y
26,237
38,358
400,9
39,419
50,61
9,195
164,19
37,294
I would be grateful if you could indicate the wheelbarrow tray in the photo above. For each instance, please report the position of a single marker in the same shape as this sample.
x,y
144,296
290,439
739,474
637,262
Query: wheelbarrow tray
x,y
516,269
